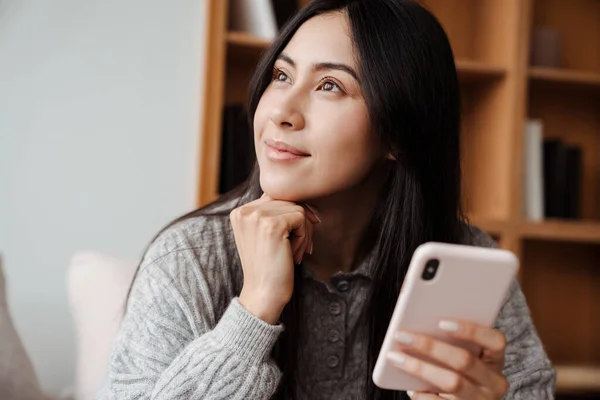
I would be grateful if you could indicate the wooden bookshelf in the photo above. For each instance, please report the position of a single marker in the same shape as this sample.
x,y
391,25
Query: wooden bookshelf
x,y
476,71
557,230
573,379
584,79
491,39
246,40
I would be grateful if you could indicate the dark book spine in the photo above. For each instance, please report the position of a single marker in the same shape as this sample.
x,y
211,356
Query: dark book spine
x,y
554,178
573,183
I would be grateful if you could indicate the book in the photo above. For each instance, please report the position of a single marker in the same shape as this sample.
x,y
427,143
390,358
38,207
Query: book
x,y
533,168
255,17
237,148
555,157
573,182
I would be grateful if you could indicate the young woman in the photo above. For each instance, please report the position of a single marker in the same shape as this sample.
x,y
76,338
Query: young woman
x,y
285,288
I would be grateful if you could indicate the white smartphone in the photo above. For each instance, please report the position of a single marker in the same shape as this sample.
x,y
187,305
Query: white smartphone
x,y
445,281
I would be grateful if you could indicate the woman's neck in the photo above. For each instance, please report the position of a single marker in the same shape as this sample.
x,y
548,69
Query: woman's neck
x,y
345,218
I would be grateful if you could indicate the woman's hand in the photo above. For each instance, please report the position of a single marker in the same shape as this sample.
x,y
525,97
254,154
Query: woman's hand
x,y
270,236
460,374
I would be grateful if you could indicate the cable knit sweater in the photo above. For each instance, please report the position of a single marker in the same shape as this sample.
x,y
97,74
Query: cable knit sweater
x,y
186,336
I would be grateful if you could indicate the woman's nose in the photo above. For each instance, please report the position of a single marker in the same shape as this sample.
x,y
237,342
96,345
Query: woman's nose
x,y
287,119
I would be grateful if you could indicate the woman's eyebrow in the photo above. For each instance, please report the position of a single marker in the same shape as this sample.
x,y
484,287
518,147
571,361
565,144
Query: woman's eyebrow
x,y
323,66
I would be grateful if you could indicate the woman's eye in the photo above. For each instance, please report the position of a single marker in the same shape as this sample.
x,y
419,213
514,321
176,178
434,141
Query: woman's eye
x,y
280,76
330,86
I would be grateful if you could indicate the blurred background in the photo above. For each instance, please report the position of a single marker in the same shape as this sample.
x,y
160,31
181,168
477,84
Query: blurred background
x,y
99,137
116,117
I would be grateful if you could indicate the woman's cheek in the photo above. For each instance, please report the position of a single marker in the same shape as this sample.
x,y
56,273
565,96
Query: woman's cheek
x,y
347,165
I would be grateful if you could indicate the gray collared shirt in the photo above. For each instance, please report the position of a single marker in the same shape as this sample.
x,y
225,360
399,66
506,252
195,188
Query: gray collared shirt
x,y
186,336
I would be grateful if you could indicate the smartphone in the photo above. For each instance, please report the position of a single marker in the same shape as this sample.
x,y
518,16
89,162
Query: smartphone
x,y
445,281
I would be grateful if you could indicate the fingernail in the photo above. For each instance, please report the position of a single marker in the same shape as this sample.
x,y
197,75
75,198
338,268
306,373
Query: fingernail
x,y
403,337
396,357
311,248
448,326
410,393
313,212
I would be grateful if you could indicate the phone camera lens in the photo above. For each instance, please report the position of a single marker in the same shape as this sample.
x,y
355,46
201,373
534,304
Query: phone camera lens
x,y
430,269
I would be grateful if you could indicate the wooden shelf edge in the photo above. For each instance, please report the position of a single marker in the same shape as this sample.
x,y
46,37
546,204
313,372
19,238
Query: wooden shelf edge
x,y
585,231
573,77
470,68
577,378
580,231
248,40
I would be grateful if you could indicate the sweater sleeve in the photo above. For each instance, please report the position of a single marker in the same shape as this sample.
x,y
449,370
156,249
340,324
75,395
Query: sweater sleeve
x,y
169,346
527,367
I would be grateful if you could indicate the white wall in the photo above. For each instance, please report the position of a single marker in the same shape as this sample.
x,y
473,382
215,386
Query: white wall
x,y
99,122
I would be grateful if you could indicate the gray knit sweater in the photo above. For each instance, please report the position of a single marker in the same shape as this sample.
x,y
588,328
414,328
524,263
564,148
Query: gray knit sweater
x,y
186,336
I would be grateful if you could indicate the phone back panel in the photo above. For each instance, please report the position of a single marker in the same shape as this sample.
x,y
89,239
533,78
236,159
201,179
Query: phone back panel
x,y
471,284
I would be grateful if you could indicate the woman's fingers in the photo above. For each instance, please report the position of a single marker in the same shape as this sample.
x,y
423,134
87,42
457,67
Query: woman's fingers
x,y
312,214
447,381
303,243
299,220
453,357
426,396
423,396
300,228
492,341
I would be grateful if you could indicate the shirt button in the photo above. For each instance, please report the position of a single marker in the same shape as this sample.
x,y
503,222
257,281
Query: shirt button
x,y
332,361
334,335
335,308
342,286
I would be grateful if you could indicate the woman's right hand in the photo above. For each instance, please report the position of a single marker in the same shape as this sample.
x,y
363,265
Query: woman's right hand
x,y
271,236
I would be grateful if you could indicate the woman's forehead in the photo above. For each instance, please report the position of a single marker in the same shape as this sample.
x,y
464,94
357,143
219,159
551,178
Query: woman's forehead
x,y
324,38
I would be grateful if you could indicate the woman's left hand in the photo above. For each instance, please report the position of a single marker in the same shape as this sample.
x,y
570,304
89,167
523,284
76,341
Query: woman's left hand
x,y
460,374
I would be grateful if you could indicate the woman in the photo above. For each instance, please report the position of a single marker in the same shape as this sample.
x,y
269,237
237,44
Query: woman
x,y
285,288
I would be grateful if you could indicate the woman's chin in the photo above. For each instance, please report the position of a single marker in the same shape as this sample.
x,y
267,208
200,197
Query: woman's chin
x,y
283,191
284,194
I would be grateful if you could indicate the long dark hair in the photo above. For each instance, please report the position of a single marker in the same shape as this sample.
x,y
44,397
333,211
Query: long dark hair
x,y
410,85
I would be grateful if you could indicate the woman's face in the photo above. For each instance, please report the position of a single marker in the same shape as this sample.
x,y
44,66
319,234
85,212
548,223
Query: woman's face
x,y
312,133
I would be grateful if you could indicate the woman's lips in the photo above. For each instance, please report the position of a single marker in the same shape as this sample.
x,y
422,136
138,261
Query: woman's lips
x,y
280,151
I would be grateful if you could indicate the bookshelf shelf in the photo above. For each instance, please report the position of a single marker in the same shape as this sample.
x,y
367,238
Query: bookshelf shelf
x,y
557,230
469,71
577,378
565,77
246,40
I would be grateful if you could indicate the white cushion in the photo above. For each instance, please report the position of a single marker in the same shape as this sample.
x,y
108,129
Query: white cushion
x,y
17,376
97,288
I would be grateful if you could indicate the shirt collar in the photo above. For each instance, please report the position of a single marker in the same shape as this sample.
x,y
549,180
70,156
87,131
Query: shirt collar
x,y
364,269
